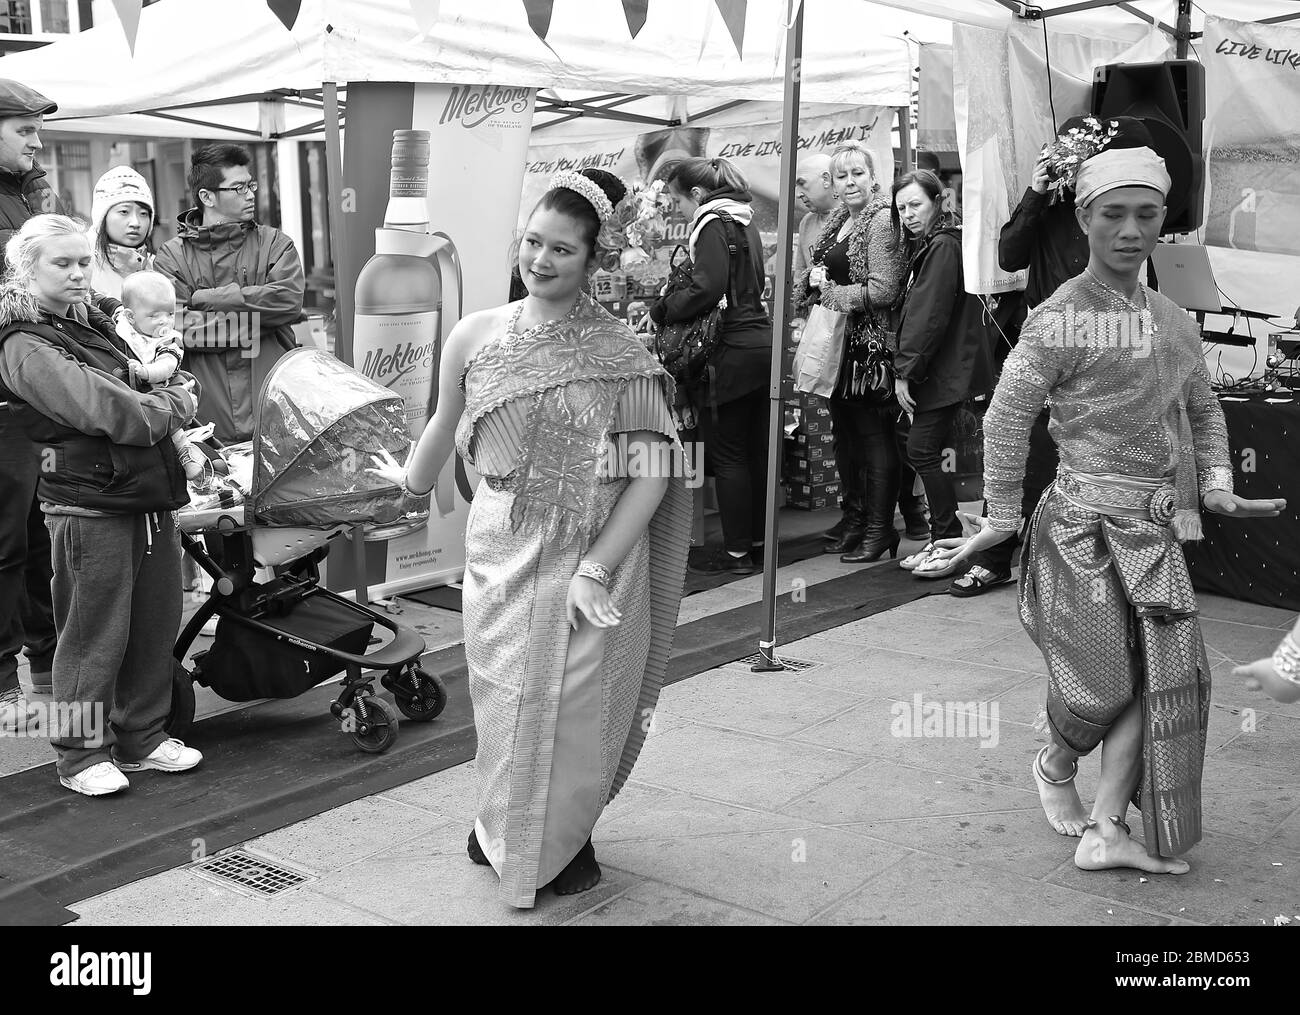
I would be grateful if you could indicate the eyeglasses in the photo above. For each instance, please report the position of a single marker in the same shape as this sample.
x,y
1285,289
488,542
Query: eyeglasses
x,y
248,187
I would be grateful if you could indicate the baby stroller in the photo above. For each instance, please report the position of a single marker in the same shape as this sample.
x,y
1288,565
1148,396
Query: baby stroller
x,y
317,422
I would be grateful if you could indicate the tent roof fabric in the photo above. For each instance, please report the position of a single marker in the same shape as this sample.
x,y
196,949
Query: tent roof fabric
x,y
1111,20
854,52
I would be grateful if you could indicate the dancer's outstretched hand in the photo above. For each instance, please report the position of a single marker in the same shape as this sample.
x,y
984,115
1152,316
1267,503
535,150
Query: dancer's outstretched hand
x,y
957,550
1261,676
590,598
1223,503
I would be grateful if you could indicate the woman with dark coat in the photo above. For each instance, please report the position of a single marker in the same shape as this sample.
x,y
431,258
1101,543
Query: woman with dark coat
x,y
944,354
733,403
109,498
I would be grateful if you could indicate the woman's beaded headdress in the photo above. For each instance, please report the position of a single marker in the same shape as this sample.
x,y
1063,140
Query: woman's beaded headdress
x,y
570,180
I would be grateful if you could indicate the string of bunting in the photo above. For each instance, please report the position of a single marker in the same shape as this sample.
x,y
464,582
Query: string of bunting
x,y
635,11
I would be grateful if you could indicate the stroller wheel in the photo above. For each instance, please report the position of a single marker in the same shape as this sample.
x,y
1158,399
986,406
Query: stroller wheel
x,y
429,697
182,713
382,721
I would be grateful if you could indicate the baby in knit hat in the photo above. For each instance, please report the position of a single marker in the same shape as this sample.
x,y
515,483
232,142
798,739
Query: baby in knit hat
x,y
148,328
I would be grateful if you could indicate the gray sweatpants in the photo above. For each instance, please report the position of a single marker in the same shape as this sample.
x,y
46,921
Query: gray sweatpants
x,y
117,607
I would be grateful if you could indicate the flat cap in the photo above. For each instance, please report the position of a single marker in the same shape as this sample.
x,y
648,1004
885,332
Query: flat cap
x,y
16,99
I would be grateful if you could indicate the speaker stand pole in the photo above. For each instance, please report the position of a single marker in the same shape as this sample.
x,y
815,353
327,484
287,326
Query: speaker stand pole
x,y
1183,29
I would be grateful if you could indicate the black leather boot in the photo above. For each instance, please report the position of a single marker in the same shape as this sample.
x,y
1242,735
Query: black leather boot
x,y
914,518
880,534
871,549
848,541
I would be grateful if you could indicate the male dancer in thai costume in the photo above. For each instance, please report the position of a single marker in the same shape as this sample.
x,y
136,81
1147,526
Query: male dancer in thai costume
x,y
1105,592
576,546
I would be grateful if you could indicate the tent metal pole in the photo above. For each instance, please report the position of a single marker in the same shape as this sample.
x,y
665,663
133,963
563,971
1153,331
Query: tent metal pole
x,y
342,288
780,304
905,139
205,123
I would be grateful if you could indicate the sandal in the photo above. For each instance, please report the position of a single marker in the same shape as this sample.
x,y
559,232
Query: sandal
x,y
933,568
977,581
914,560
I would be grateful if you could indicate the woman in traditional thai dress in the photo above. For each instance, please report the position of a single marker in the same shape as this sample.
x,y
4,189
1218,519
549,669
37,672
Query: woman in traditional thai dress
x,y
575,549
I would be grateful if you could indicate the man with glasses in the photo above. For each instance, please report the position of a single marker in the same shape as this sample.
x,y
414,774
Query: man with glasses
x,y
241,283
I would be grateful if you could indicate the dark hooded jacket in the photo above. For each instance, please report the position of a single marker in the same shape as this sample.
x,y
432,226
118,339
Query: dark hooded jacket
x,y
944,346
110,449
1045,238
21,197
741,361
245,283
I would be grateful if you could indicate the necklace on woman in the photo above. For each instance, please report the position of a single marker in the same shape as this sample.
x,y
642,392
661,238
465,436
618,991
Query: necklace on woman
x,y
513,337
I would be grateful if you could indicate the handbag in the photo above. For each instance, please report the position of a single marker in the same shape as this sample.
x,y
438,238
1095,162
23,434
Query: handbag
x,y
867,374
685,347
820,352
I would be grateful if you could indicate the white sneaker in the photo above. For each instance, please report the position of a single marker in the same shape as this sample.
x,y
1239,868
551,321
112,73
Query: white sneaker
x,y
97,780
17,714
169,756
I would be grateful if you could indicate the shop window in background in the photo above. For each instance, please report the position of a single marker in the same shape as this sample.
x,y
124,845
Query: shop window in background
x,y
67,163
16,17
54,16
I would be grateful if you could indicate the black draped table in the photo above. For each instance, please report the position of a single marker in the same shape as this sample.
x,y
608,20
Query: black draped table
x,y
1258,560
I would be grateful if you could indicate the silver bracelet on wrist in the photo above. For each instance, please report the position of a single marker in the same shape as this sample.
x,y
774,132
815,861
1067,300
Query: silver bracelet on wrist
x,y
593,570
406,487
1286,660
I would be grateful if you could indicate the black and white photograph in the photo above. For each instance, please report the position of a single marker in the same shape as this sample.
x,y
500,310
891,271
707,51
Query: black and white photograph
x,y
650,463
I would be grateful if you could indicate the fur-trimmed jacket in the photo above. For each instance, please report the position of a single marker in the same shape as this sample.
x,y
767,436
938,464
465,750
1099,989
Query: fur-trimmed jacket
x,y
876,261
109,442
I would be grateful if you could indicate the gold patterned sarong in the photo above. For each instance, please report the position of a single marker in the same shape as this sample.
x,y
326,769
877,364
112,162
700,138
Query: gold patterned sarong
x,y
561,715
1105,592
1108,601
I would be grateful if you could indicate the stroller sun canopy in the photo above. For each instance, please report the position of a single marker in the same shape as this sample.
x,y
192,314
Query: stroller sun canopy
x,y
317,426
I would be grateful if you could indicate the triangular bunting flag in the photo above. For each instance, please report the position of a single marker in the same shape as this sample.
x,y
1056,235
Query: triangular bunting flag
x,y
733,13
791,12
635,12
128,12
426,14
286,11
539,16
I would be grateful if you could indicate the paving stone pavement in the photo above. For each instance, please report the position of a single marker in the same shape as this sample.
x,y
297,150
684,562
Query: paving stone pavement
x,y
796,798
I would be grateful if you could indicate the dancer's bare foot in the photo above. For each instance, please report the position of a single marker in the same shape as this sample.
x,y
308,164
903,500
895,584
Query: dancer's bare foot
x,y
1107,844
582,874
1054,772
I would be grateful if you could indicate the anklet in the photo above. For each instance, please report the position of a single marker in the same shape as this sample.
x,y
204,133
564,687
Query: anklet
x,y
1286,660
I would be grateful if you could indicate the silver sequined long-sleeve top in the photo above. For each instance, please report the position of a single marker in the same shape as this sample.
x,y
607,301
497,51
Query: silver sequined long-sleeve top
x,y
1114,386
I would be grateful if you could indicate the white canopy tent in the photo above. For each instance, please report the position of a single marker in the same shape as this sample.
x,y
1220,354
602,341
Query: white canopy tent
x,y
855,54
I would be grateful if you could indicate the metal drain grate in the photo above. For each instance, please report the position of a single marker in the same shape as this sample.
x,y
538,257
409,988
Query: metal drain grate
x,y
786,661
249,873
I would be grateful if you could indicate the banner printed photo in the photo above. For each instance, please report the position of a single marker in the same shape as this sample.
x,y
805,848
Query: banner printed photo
x,y
755,149
1252,84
